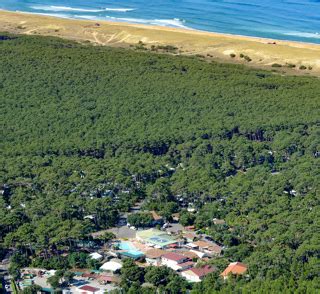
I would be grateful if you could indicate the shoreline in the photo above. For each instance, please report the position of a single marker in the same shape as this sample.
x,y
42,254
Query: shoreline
x,y
170,28
263,52
180,29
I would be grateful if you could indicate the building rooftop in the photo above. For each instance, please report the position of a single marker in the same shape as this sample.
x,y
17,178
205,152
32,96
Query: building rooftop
x,y
156,237
155,253
89,288
156,216
202,271
174,256
217,221
236,268
187,263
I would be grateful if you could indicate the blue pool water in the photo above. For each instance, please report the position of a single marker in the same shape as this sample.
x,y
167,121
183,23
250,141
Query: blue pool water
x,y
130,250
297,20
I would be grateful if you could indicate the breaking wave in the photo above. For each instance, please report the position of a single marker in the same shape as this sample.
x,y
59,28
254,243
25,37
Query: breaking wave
x,y
67,8
303,34
176,22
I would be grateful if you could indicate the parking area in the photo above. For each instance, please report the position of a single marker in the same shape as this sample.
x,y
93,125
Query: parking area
x,y
123,232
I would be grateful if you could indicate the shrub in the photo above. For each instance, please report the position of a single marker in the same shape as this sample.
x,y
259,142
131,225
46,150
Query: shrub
x,y
276,65
232,55
290,65
302,67
241,55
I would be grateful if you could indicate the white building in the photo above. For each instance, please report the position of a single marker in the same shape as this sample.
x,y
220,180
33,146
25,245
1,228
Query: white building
x,y
196,275
173,260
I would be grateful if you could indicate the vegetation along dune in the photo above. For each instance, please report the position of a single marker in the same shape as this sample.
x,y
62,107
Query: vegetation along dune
x,y
283,56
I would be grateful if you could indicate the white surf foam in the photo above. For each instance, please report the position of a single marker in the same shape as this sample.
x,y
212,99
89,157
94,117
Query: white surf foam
x,y
67,8
303,34
119,9
176,22
63,8
89,17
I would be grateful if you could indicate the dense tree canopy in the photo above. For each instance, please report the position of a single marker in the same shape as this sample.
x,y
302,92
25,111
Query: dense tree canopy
x,y
87,131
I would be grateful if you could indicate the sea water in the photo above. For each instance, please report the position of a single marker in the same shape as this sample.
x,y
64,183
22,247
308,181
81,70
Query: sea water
x,y
297,20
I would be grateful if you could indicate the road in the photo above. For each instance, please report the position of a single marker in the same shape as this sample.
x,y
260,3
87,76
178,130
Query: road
x,y
6,281
4,275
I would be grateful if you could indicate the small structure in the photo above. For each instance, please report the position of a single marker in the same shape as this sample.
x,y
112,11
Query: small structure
x,y
185,265
190,237
108,279
96,256
112,266
190,254
217,221
176,217
234,268
197,274
157,219
153,256
175,229
173,260
190,228
88,289
207,247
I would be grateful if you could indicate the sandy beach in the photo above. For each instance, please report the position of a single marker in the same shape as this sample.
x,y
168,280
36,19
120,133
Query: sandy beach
x,y
263,52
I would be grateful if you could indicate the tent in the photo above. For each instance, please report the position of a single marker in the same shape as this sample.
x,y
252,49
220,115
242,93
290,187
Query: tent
x,y
96,255
111,266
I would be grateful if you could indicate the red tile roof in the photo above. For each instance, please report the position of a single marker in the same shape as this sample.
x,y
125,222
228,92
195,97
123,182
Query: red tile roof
x,y
88,275
174,256
203,271
236,268
190,228
89,288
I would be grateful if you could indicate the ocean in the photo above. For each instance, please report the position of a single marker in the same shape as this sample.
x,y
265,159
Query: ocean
x,y
297,20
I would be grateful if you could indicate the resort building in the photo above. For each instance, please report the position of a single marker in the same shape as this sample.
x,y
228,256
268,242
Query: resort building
x,y
234,268
157,239
153,256
112,266
174,260
207,247
184,266
197,274
96,256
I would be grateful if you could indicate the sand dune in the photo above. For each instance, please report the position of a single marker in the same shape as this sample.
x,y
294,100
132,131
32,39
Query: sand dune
x,y
263,52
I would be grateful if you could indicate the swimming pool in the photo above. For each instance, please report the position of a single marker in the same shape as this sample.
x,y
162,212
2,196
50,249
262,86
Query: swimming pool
x,y
129,250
